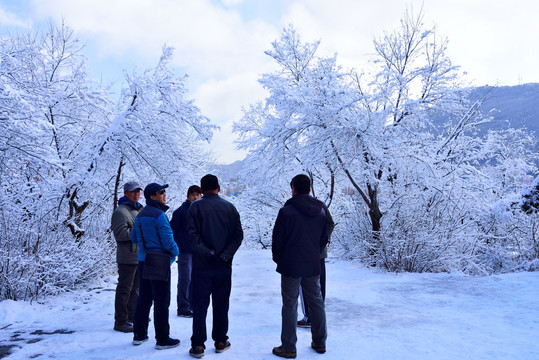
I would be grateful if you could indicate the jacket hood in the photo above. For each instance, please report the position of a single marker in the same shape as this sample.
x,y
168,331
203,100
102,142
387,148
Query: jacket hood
x,y
125,201
306,204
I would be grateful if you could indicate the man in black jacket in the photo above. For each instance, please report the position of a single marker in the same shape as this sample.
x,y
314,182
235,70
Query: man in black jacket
x,y
299,235
215,233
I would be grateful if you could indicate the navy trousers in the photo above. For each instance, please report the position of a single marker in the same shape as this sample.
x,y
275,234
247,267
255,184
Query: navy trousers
x,y
215,283
185,266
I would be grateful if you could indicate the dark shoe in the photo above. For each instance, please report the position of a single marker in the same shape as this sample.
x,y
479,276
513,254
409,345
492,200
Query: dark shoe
x,y
197,351
318,349
221,346
167,344
282,352
304,323
125,328
185,314
137,342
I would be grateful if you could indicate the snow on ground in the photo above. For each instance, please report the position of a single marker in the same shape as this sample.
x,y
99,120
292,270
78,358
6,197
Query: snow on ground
x,y
371,315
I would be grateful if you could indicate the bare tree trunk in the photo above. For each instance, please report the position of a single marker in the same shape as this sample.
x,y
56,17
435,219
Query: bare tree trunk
x,y
74,221
117,182
370,199
374,212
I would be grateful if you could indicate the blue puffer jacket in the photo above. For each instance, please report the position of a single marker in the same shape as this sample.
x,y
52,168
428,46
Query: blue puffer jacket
x,y
156,230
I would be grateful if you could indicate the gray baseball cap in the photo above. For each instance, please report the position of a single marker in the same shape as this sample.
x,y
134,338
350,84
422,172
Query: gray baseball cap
x,y
132,186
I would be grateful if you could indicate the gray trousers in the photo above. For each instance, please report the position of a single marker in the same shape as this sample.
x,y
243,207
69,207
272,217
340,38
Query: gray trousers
x,y
127,291
313,296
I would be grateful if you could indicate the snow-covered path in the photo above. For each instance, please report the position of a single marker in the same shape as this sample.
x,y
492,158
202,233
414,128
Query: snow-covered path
x,y
371,315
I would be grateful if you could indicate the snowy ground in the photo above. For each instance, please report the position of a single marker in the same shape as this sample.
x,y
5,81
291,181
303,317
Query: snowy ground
x,y
371,315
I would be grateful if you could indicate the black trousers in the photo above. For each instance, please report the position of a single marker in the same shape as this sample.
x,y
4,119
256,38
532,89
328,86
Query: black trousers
x,y
127,290
158,293
217,284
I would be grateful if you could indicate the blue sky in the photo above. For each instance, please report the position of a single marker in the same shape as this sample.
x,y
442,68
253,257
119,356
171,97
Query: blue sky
x,y
220,44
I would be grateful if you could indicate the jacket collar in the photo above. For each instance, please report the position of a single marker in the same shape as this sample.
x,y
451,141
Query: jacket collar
x,y
125,201
157,204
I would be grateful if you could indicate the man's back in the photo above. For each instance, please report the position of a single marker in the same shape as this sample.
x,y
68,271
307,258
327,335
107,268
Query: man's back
x,y
213,225
214,230
299,235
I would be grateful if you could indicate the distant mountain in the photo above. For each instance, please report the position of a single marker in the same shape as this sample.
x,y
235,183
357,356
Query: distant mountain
x,y
228,173
514,106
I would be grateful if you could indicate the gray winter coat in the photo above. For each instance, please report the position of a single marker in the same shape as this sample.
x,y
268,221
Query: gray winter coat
x,y
123,219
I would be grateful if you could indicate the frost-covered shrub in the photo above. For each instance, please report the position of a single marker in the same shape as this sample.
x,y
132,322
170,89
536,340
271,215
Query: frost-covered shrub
x,y
509,236
38,260
350,238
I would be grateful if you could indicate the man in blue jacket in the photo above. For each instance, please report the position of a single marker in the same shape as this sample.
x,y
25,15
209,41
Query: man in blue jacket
x,y
185,259
214,230
152,232
299,235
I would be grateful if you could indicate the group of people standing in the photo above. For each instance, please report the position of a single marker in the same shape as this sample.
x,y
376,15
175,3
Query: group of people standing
x,y
204,234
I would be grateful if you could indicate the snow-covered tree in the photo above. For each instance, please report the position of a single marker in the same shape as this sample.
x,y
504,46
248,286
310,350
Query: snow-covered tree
x,y
402,136
49,107
66,149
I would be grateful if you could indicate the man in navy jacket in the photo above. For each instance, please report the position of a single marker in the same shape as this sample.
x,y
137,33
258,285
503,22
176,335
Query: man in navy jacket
x,y
185,259
299,235
214,230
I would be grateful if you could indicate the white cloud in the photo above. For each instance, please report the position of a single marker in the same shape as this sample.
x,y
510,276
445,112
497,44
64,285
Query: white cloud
x,y
209,40
232,2
223,101
9,19
222,49
492,41
222,54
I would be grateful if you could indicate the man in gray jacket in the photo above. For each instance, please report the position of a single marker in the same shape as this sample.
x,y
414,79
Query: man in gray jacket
x,y
123,219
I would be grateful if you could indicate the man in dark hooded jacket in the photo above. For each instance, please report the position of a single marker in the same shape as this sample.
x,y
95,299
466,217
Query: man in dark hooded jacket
x,y
299,235
122,221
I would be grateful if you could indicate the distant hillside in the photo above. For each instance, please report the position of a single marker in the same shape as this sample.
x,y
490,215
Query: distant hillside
x,y
516,106
228,173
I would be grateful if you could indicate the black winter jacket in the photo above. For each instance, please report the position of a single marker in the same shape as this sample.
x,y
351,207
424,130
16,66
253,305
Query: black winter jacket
x,y
299,235
214,231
